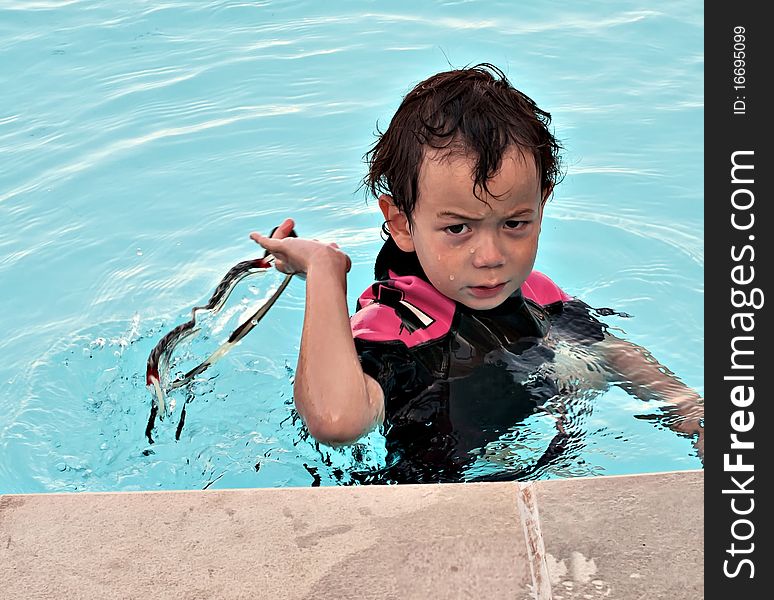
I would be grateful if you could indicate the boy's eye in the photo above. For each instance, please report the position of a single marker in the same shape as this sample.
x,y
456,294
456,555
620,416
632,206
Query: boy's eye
x,y
456,229
515,224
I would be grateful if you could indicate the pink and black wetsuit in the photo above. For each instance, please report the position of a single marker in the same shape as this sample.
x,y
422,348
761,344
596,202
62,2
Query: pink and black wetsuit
x,y
455,378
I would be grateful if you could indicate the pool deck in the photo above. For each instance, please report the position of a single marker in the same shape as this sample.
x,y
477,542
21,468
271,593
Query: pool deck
x,y
623,537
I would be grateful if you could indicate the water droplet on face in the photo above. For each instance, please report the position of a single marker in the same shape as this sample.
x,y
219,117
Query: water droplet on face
x,y
439,257
451,277
472,250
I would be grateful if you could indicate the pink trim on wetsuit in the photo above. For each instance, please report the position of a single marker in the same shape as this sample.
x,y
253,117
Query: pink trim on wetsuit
x,y
539,288
379,322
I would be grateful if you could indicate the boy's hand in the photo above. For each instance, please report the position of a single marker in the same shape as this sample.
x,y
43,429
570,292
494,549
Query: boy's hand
x,y
690,420
699,445
296,255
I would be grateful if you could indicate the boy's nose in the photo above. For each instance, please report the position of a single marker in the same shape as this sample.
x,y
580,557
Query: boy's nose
x,y
487,254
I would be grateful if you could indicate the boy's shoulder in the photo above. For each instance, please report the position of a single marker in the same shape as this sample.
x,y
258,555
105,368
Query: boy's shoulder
x,y
408,309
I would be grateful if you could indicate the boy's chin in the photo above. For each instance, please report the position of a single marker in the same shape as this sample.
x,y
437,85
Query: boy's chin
x,y
483,303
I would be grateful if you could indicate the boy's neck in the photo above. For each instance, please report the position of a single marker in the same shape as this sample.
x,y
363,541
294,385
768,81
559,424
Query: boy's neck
x,y
392,258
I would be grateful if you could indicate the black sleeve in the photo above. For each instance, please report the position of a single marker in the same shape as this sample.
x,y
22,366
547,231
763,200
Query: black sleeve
x,y
575,321
394,366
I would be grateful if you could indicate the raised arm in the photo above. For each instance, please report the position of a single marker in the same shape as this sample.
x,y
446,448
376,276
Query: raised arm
x,y
644,377
337,401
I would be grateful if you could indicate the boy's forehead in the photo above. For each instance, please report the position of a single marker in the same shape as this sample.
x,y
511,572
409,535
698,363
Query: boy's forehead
x,y
456,160
446,177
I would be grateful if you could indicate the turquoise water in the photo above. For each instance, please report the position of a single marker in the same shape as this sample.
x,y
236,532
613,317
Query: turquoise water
x,y
140,143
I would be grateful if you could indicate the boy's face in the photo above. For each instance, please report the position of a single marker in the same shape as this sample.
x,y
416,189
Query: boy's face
x,y
476,254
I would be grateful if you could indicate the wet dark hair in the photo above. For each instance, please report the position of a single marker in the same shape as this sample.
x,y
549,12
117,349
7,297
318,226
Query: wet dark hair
x,y
474,111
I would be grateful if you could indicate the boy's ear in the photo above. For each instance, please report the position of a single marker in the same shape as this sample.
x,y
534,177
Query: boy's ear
x,y
397,222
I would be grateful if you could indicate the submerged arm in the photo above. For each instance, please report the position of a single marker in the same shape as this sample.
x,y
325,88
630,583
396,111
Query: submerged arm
x,y
644,377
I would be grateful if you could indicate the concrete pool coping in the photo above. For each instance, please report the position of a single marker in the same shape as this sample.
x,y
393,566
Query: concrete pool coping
x,y
634,536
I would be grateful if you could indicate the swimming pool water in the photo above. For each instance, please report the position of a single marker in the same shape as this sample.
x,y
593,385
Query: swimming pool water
x,y
140,143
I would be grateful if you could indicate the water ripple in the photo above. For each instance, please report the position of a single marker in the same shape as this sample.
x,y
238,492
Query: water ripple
x,y
682,237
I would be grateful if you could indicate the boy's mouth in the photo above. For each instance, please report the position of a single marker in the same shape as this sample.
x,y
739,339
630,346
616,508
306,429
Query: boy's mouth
x,y
486,291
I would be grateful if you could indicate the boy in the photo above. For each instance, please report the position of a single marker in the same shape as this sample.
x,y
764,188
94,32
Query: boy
x,y
458,339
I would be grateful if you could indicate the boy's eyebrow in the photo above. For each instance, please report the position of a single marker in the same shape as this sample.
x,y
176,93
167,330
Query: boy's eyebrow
x,y
521,212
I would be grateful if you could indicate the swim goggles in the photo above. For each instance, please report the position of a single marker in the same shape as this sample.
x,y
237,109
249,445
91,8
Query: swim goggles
x,y
158,361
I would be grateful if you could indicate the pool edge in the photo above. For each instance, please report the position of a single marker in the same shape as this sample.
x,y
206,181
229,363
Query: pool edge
x,y
625,536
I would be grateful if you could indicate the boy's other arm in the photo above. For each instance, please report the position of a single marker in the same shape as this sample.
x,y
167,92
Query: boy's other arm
x,y
643,376
338,402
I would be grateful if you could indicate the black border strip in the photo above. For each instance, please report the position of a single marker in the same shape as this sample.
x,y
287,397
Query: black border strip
x,y
735,121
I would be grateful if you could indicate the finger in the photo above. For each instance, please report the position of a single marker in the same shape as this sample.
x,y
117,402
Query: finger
x,y
271,246
267,243
280,266
283,267
284,229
